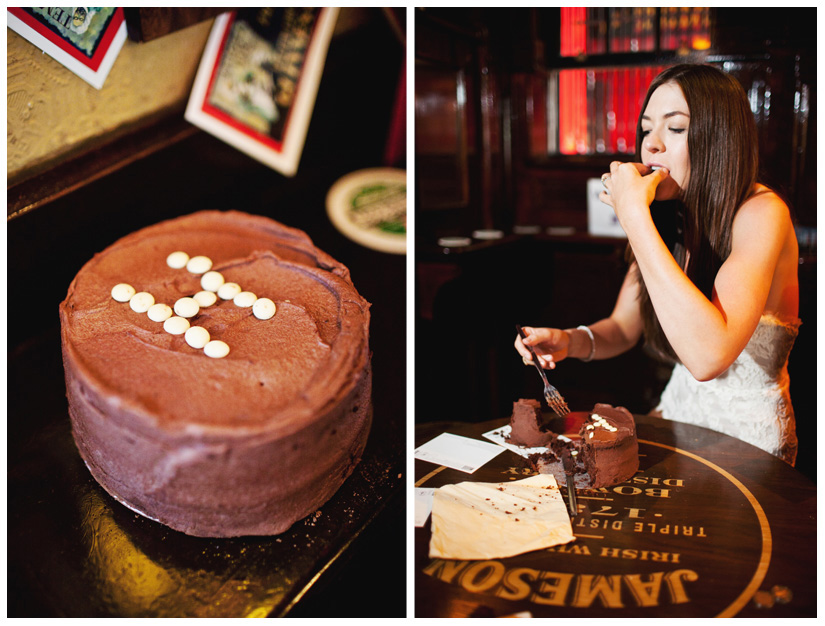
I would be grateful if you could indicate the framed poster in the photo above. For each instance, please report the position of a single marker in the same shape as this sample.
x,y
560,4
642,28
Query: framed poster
x,y
257,81
86,40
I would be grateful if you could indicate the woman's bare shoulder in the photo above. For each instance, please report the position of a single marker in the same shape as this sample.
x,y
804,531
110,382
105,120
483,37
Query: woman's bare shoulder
x,y
763,205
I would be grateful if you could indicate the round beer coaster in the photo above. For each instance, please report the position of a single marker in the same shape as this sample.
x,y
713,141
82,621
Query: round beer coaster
x,y
370,208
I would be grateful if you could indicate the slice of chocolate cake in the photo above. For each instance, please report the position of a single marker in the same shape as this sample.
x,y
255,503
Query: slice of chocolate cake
x,y
605,454
526,425
609,447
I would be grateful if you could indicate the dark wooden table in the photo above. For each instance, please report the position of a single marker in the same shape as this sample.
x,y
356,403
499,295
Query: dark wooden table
x,y
709,526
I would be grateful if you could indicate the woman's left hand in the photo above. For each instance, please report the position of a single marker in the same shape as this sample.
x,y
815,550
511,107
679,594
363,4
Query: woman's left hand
x,y
630,188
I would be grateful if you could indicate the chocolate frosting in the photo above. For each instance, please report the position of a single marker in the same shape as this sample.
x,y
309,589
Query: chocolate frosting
x,y
526,427
607,453
180,436
618,417
611,455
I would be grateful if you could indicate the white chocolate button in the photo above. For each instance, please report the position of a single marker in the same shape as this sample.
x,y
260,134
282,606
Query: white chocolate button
x,y
211,281
176,325
159,312
205,298
123,292
197,337
228,291
264,308
177,260
216,349
141,301
199,264
245,299
187,307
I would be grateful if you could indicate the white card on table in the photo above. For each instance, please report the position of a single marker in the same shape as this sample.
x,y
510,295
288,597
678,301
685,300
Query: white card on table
x,y
456,452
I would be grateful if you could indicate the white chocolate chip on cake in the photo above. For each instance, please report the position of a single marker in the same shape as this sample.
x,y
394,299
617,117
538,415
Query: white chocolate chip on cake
x,y
177,260
228,291
159,312
216,349
245,299
123,292
187,307
141,301
264,308
211,281
199,264
197,337
205,298
176,325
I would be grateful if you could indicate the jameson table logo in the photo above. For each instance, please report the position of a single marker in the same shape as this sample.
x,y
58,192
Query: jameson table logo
x,y
83,27
682,533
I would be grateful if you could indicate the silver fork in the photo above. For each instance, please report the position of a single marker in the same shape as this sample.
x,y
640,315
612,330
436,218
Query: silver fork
x,y
551,394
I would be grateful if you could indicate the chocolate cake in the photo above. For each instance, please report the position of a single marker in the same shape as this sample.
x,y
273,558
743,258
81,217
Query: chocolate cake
x,y
526,427
218,373
605,453
608,447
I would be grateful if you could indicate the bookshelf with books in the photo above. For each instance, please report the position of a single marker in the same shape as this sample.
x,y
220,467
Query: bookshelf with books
x,y
580,101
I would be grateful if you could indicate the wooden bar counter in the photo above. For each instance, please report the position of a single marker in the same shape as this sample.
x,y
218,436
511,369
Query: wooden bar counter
x,y
709,526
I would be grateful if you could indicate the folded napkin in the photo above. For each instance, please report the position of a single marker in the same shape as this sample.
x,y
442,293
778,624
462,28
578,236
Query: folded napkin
x,y
496,520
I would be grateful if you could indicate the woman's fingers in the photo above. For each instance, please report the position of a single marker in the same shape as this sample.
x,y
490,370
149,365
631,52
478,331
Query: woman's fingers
x,y
536,338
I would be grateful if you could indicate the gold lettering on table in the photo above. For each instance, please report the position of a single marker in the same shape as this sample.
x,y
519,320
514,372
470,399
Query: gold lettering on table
x,y
552,589
629,490
591,586
519,471
666,529
482,576
444,570
677,589
571,548
641,555
646,593
655,480
565,589
597,523
514,586
605,510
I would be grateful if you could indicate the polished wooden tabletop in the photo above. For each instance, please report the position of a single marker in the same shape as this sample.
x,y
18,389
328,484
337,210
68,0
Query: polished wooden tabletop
x,y
709,526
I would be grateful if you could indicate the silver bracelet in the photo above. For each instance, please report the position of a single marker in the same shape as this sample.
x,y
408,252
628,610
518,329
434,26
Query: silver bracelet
x,y
592,342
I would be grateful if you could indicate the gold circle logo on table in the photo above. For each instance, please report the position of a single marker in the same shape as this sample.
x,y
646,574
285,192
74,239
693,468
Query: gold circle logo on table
x,y
683,537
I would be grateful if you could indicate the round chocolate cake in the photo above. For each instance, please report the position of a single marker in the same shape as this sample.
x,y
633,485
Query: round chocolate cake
x,y
218,373
605,452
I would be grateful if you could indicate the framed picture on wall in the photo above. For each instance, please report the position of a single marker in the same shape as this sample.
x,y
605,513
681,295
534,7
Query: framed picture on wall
x,y
86,40
257,81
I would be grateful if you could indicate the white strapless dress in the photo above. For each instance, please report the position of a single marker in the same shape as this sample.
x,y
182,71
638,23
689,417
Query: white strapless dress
x,y
750,400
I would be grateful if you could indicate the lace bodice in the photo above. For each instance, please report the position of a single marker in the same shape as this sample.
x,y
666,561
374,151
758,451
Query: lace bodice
x,y
750,400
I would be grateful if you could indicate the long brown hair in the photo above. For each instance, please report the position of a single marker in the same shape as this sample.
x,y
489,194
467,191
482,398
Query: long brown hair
x,y
724,161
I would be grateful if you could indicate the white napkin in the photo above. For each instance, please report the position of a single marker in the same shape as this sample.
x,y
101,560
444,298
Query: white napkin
x,y
498,520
